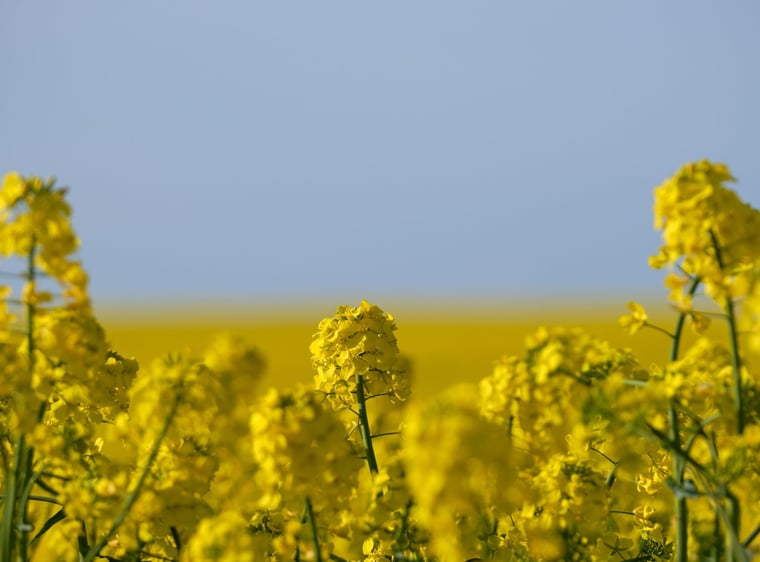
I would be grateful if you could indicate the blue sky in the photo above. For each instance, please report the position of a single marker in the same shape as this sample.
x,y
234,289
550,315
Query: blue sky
x,y
277,150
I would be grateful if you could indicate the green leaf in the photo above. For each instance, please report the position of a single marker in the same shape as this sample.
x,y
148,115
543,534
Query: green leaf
x,y
55,518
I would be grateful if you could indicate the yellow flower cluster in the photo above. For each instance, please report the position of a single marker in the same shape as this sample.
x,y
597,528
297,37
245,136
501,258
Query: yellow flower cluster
x,y
222,538
34,221
300,449
358,341
462,473
533,396
707,230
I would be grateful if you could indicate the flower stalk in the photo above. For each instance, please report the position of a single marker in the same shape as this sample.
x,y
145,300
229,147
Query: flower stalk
x,y
364,428
309,516
134,494
679,464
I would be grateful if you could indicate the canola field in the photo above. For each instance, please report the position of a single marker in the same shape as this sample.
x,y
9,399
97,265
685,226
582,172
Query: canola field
x,y
447,343
354,432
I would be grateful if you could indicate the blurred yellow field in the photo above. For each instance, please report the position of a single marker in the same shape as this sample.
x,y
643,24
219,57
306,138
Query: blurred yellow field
x,y
444,347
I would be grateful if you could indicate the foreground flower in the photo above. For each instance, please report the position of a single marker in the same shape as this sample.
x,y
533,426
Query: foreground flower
x,y
708,230
462,471
222,538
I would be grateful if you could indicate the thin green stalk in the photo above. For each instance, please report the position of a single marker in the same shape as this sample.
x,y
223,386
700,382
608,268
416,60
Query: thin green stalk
x,y
657,328
717,549
44,499
7,534
681,509
736,366
679,466
309,512
176,537
752,536
31,276
27,479
132,497
680,321
398,535
364,425
14,508
734,549
734,342
23,505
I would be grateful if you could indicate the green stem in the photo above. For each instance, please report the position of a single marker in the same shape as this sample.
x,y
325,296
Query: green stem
x,y
27,479
7,534
44,499
132,497
717,550
734,550
679,466
31,276
14,508
674,348
734,342
752,536
313,528
736,367
399,534
364,425
681,509
23,506
658,329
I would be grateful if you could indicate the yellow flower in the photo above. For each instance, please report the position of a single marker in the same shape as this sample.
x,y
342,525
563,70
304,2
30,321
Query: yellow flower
x,y
239,369
358,341
221,538
636,320
12,189
461,470
301,450
706,226
700,323
642,515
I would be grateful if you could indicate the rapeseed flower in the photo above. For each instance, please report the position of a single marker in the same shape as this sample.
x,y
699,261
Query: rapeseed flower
x,y
707,230
358,341
300,450
462,473
222,538
636,320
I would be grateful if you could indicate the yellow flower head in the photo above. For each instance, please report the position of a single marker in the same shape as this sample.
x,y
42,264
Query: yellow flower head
x,y
705,225
221,538
35,221
12,190
358,341
301,449
636,320
461,470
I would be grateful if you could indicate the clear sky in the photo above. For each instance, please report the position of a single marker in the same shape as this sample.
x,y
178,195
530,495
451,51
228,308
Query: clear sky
x,y
275,150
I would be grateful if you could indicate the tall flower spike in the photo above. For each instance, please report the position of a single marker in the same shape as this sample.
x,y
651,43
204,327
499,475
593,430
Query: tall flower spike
x,y
35,218
708,229
358,341
356,358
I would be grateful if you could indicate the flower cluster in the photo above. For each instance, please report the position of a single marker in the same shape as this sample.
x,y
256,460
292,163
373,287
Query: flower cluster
x,y
358,341
463,474
708,231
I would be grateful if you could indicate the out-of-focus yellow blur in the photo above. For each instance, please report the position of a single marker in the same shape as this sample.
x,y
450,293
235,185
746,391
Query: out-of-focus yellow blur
x,y
444,347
